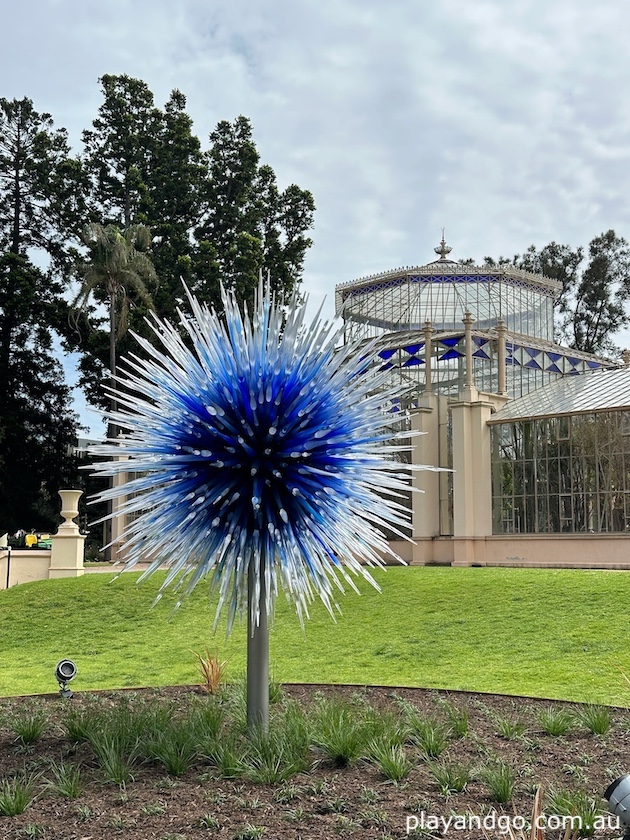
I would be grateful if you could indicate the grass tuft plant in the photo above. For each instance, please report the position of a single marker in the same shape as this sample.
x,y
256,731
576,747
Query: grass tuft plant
x,y
174,747
391,759
556,722
575,803
28,726
16,795
430,735
449,776
597,719
510,728
501,781
66,781
338,732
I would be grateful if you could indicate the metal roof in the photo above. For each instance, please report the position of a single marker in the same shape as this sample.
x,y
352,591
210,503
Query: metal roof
x,y
601,390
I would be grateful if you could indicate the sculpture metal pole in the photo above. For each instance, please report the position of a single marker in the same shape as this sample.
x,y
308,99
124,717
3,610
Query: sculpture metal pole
x,y
257,651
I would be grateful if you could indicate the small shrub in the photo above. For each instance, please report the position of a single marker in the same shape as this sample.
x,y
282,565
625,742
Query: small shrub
x,y
555,722
597,719
212,671
501,780
206,719
287,793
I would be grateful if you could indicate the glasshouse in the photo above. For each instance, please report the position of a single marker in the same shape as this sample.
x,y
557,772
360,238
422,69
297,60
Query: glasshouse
x,y
534,437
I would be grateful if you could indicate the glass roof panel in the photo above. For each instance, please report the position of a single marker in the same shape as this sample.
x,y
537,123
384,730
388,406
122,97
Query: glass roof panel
x,y
600,390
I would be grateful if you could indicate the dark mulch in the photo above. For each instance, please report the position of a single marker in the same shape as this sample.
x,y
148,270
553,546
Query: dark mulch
x,y
353,802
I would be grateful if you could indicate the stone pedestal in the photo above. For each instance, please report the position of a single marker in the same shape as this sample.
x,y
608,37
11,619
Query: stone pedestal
x,y
67,552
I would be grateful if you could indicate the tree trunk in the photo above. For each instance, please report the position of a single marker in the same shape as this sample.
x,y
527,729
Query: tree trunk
x,y
112,428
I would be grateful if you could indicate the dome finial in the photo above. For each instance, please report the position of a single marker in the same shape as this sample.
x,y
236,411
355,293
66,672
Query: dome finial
x,y
443,250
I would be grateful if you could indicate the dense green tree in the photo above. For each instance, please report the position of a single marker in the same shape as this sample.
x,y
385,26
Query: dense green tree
x,y
592,304
118,150
215,216
40,191
248,225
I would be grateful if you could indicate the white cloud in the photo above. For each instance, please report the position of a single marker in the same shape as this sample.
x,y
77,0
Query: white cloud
x,y
504,122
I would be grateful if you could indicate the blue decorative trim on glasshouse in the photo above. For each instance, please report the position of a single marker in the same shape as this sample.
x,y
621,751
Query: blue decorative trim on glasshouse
x,y
481,354
450,342
413,348
392,282
387,354
414,360
451,354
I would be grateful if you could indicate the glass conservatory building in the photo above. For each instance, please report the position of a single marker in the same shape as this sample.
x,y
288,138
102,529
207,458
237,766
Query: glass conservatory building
x,y
534,437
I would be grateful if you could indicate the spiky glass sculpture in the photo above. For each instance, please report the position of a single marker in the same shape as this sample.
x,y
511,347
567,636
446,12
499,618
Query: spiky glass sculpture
x,y
261,457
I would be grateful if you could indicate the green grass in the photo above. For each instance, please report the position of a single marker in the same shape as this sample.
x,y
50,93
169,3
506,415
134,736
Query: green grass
x,y
545,633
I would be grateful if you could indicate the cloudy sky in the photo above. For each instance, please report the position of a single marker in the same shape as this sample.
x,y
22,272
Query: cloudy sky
x,y
505,121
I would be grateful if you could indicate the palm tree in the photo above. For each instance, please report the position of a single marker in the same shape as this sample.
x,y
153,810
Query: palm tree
x,y
118,269
116,272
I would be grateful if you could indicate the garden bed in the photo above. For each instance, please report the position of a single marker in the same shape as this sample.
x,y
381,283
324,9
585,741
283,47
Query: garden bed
x,y
174,764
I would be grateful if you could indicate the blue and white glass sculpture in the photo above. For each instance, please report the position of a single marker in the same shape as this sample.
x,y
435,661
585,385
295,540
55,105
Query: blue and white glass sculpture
x,y
260,451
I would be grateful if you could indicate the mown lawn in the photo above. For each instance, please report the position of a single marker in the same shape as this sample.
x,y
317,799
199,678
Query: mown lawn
x,y
545,633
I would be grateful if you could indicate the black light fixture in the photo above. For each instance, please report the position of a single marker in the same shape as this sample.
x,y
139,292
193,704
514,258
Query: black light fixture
x,y
65,671
618,796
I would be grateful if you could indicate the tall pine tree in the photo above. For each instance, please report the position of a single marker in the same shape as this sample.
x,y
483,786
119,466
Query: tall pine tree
x,y
40,190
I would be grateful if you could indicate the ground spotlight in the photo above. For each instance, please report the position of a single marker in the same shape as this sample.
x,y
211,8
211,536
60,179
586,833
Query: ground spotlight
x,y
65,671
618,796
